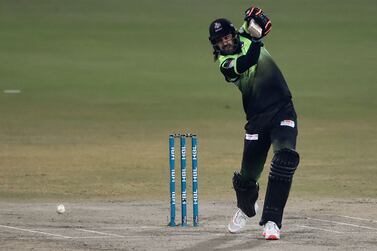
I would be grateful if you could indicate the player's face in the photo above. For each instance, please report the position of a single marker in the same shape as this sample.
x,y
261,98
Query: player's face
x,y
226,43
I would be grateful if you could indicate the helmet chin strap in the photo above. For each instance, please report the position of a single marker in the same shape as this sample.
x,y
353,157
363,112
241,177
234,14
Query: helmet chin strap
x,y
216,52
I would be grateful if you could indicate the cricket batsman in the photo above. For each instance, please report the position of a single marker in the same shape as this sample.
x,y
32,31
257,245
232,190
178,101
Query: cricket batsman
x,y
270,114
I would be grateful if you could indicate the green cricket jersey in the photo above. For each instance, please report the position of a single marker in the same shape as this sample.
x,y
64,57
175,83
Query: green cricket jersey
x,y
262,85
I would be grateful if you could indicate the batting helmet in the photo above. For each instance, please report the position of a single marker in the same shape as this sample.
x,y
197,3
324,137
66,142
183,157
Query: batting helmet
x,y
220,28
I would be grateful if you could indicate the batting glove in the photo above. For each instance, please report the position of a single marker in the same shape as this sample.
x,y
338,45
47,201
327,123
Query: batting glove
x,y
259,18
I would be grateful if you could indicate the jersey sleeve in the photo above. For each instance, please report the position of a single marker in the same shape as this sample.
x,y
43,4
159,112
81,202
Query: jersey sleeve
x,y
250,58
228,69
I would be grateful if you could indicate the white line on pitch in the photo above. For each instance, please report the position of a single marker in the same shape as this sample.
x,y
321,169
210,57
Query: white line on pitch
x,y
189,228
322,229
118,228
357,218
131,227
92,237
342,223
34,231
77,237
98,232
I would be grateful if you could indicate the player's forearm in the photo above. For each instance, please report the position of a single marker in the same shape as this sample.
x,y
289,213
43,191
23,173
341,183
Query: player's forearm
x,y
250,58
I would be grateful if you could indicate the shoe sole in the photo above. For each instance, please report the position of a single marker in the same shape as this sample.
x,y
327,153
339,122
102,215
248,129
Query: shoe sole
x,y
272,238
234,231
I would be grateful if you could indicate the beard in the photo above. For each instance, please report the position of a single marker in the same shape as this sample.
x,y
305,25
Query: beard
x,y
228,48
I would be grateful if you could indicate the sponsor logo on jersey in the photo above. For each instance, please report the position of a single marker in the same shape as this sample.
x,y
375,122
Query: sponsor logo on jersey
x,y
229,63
289,123
251,136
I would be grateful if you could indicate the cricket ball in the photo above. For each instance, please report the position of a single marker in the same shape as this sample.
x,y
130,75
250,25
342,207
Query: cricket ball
x,y
60,209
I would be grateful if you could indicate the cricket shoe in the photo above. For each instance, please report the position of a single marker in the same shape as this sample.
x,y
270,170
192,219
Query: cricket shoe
x,y
271,231
239,220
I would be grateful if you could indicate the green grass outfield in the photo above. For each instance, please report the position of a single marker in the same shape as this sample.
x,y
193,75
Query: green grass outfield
x,y
104,82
